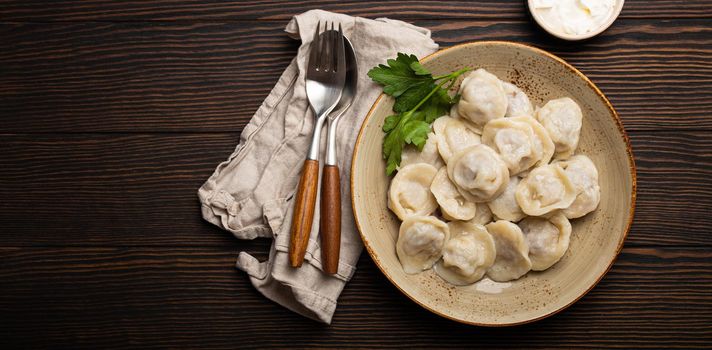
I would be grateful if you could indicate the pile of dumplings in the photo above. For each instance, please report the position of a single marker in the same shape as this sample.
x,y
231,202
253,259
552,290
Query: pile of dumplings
x,y
495,186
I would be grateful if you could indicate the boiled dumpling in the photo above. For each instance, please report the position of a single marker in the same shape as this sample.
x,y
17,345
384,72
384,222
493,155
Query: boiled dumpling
x,y
410,194
545,189
453,136
505,206
438,125
542,140
548,239
512,259
467,254
489,160
420,242
483,215
584,176
478,172
515,142
482,98
452,204
429,154
562,118
518,103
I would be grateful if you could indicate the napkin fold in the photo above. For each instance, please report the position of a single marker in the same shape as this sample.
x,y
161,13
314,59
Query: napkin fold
x,y
251,193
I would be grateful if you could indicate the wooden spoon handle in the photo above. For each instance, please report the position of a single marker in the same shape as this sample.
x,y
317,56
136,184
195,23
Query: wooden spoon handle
x,y
303,212
330,220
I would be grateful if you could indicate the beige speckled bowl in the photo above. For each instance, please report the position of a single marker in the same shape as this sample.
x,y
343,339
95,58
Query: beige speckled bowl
x,y
596,239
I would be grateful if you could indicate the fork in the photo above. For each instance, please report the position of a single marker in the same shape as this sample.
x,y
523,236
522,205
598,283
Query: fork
x,y
326,75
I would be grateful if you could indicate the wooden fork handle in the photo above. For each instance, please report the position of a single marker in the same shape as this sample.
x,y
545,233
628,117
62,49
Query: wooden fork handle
x,y
303,212
330,219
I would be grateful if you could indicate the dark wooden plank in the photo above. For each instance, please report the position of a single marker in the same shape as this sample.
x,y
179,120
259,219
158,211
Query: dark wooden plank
x,y
133,77
193,297
673,196
103,77
137,190
167,10
108,189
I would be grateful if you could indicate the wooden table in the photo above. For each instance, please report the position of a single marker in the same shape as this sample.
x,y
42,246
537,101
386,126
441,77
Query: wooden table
x,y
112,115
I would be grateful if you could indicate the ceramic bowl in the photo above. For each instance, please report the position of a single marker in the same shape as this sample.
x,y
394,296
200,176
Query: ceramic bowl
x,y
618,7
596,239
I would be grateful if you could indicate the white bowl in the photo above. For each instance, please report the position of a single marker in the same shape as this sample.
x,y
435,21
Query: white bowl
x,y
618,7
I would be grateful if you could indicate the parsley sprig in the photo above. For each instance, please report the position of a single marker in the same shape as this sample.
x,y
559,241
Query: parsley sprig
x,y
420,99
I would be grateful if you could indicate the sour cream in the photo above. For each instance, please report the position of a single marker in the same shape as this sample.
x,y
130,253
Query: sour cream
x,y
573,17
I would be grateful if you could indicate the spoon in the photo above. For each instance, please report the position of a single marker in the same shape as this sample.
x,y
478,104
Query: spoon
x,y
330,218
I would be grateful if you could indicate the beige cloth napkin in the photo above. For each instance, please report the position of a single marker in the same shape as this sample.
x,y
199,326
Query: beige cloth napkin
x,y
251,193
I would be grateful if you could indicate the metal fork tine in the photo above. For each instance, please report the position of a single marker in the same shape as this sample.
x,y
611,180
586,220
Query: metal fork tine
x,y
313,52
325,52
329,48
341,52
334,48
323,49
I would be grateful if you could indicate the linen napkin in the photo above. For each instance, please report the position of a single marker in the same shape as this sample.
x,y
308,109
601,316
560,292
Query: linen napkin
x,y
251,193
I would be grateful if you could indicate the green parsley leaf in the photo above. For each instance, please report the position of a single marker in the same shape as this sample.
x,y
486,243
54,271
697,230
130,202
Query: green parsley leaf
x,y
419,69
420,99
412,96
398,76
416,132
391,122
392,149
439,105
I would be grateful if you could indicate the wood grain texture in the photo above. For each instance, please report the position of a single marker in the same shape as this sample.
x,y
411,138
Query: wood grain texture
x,y
192,297
112,114
129,189
330,218
181,77
171,10
304,206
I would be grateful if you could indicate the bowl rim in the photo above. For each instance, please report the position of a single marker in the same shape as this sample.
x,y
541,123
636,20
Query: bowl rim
x,y
631,168
572,37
